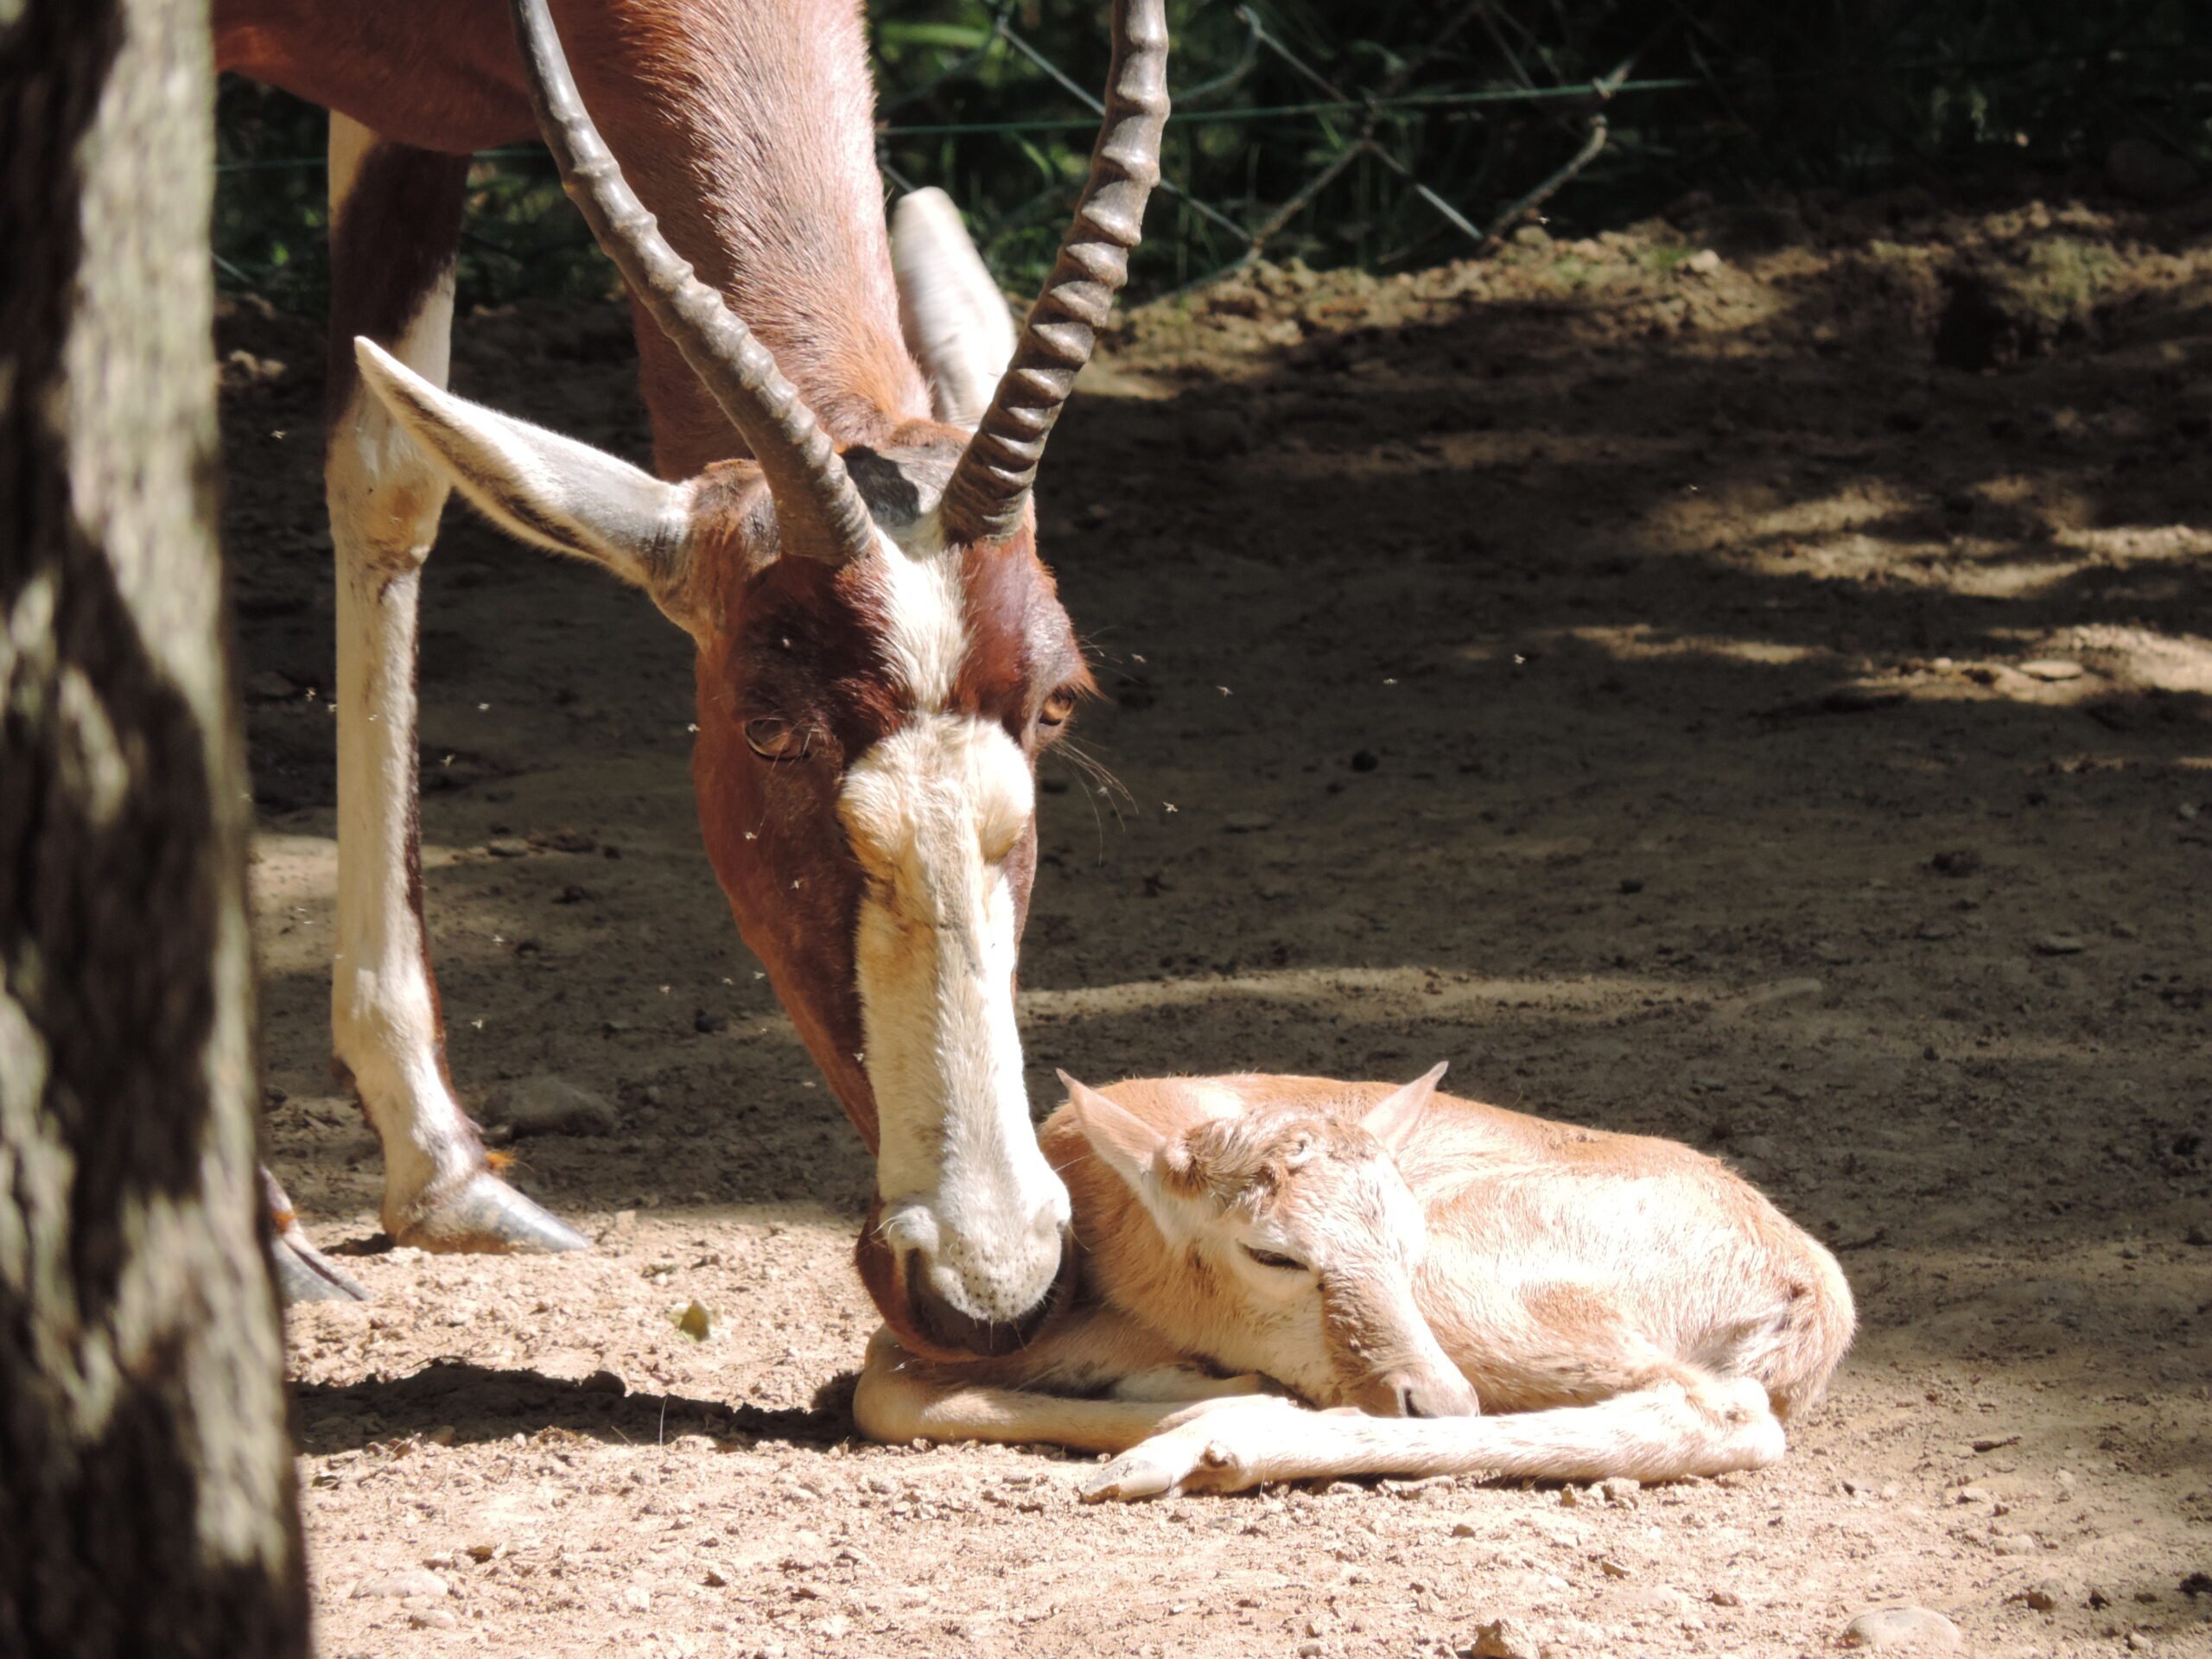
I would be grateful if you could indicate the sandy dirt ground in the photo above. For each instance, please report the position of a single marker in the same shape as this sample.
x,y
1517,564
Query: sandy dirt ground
x,y
1748,679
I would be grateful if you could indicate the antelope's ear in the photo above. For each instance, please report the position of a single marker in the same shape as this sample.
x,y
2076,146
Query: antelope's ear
x,y
954,318
1129,1145
543,488
1392,1119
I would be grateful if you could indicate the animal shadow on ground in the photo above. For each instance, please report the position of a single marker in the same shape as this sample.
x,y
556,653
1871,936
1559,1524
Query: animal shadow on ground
x,y
459,1402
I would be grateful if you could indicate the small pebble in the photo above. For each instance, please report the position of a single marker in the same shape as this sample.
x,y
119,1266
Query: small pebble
x,y
270,686
1902,1630
406,1581
1217,432
1784,990
1503,1638
2061,944
545,1104
2051,670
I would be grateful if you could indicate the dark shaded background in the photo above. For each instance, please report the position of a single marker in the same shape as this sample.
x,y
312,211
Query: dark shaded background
x,y
1739,99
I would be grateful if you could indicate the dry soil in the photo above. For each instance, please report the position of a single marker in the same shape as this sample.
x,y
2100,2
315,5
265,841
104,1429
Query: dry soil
x,y
1747,678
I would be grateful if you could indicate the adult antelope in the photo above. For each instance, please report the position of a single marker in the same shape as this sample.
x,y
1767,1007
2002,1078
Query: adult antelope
x,y
842,522
1630,1306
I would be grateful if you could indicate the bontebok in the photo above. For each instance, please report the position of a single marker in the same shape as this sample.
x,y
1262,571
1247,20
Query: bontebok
x,y
839,519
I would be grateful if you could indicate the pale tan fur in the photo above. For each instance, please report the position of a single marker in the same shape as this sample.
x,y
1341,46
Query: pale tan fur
x,y
1610,1304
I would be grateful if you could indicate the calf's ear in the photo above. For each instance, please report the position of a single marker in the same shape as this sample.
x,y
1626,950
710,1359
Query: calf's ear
x,y
1123,1141
1392,1120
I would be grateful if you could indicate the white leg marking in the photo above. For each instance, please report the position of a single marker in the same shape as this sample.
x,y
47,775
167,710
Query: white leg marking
x,y
385,498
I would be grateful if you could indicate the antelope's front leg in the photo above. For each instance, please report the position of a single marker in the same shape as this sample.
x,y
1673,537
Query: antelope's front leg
x,y
1216,1445
901,1398
395,223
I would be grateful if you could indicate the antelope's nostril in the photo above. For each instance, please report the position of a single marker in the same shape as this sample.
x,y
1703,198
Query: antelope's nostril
x,y
1413,1394
938,1322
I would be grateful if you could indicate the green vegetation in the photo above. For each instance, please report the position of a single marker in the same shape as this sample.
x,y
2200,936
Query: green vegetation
x,y
1446,110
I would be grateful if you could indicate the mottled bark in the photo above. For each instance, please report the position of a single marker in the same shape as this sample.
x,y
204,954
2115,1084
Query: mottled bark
x,y
146,1498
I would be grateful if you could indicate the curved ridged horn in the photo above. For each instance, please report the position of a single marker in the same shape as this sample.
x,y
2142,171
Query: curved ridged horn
x,y
818,511
984,499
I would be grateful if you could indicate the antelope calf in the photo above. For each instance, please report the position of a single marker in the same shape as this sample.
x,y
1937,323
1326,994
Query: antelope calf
x,y
1486,1291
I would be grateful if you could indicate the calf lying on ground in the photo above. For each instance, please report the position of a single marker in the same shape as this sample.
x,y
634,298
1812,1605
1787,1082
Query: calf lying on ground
x,y
1623,1305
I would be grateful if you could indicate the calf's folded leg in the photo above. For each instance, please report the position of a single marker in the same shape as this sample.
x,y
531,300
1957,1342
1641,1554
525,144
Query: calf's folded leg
x,y
1664,1432
901,1398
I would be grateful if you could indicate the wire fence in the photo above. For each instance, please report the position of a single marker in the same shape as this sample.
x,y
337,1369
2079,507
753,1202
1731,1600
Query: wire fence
x,y
1380,133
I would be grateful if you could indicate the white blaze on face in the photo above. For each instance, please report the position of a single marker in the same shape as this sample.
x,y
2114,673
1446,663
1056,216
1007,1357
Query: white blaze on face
x,y
932,812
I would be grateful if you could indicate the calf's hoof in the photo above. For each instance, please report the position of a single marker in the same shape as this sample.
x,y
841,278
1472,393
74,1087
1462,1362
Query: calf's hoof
x,y
487,1216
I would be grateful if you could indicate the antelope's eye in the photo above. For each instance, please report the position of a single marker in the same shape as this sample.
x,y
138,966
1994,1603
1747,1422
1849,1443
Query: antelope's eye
x,y
1273,1259
1057,708
775,739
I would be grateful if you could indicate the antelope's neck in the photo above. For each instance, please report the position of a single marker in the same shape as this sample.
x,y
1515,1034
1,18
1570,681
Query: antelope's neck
x,y
747,127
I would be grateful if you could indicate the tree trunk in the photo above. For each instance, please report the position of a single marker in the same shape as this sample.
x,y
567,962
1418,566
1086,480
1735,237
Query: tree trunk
x,y
147,1504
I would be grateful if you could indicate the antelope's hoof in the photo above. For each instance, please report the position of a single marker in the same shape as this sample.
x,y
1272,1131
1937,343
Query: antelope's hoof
x,y
306,1274
487,1216
1137,1474
1217,1445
